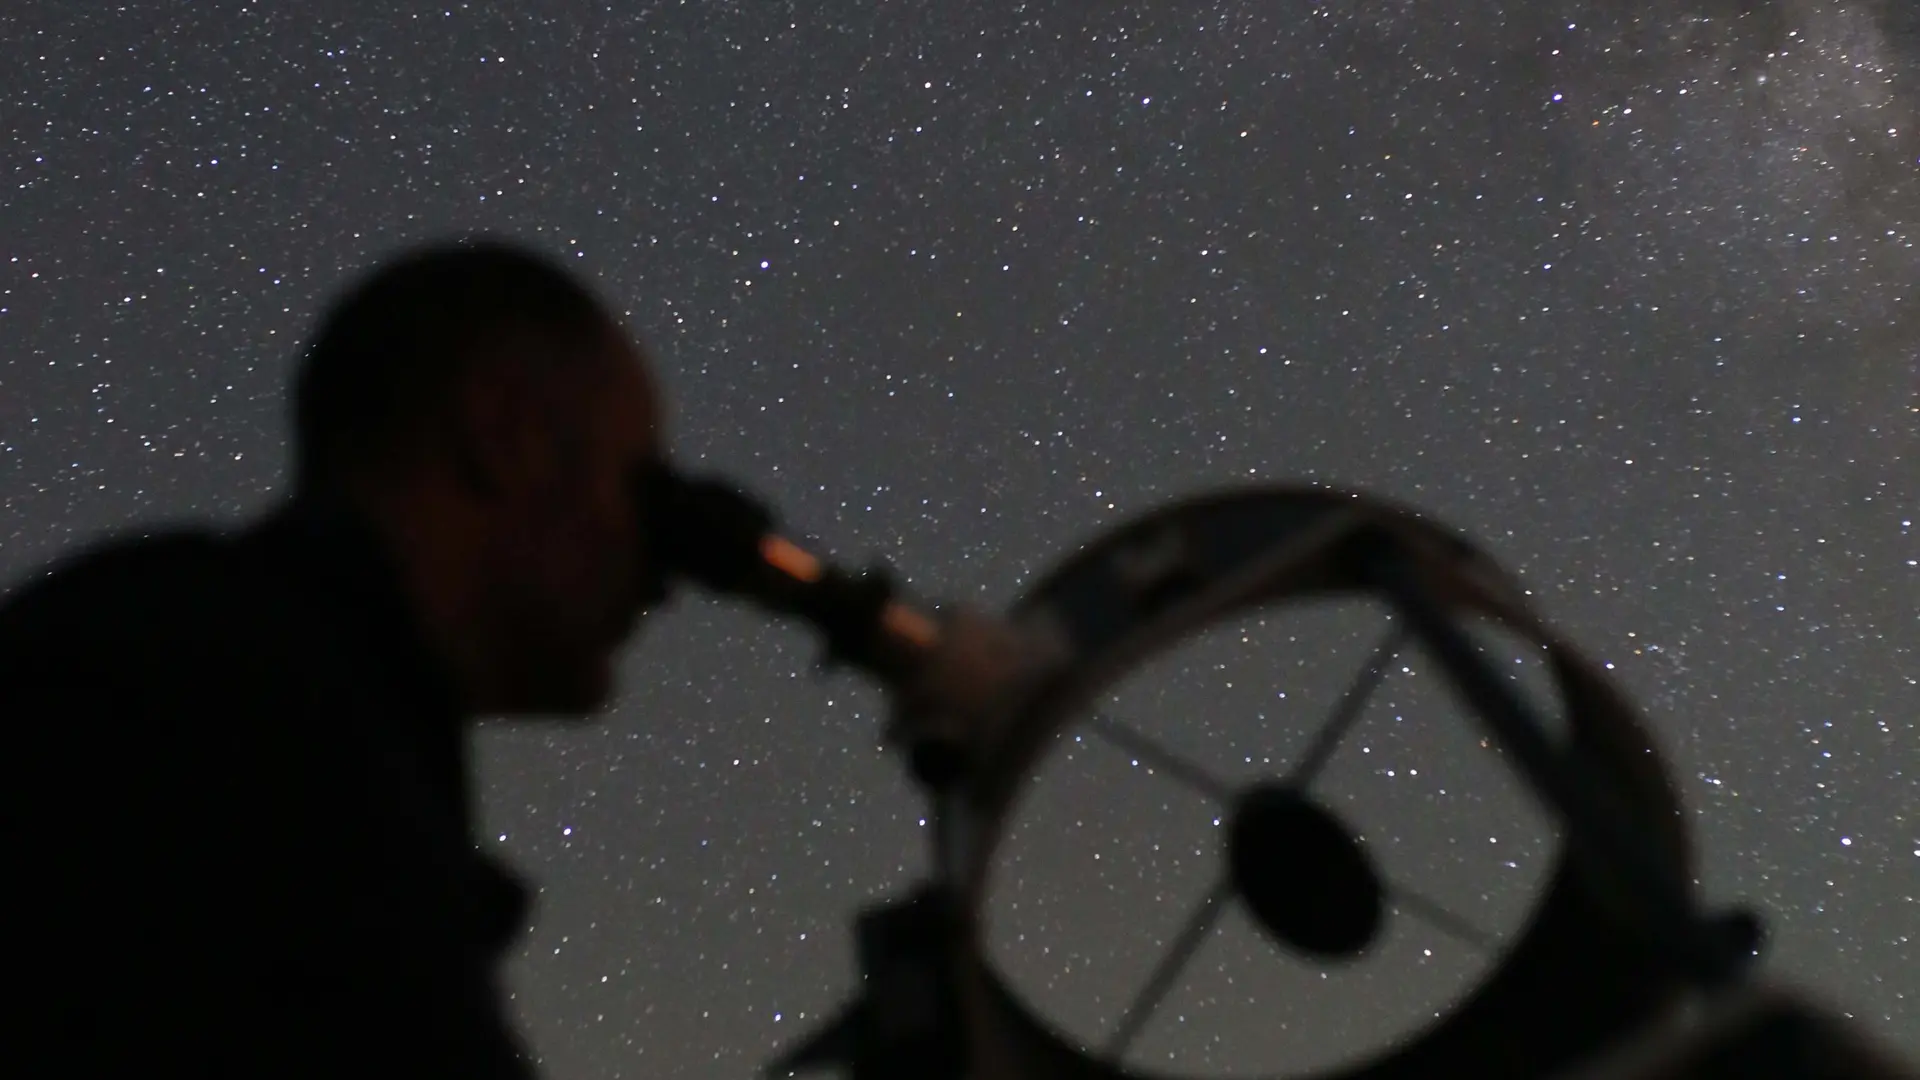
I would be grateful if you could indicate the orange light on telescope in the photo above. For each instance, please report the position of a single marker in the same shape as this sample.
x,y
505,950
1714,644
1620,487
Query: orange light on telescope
x,y
904,622
787,557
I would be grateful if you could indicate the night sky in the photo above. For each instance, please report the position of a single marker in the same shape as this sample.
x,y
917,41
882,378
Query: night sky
x,y
1624,289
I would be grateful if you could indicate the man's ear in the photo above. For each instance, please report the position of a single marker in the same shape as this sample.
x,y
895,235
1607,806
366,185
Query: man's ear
x,y
470,468
494,441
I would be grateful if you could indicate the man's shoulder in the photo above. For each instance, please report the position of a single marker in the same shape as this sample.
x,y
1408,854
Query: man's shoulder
x,y
147,560
144,584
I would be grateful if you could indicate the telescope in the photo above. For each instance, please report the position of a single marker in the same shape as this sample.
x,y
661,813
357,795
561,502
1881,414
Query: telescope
x,y
1620,971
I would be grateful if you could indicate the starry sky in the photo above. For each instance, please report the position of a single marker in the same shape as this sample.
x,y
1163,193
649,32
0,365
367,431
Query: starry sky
x,y
1624,289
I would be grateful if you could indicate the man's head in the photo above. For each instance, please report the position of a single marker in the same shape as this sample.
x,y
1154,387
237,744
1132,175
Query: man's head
x,y
489,418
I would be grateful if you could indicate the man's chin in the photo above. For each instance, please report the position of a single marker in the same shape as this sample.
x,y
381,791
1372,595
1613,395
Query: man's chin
x,y
582,696
592,695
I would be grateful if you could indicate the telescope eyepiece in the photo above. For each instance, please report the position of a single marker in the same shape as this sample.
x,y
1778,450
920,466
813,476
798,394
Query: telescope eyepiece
x,y
703,529
710,533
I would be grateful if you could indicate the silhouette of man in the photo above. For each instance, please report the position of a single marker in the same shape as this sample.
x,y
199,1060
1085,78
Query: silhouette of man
x,y
242,838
